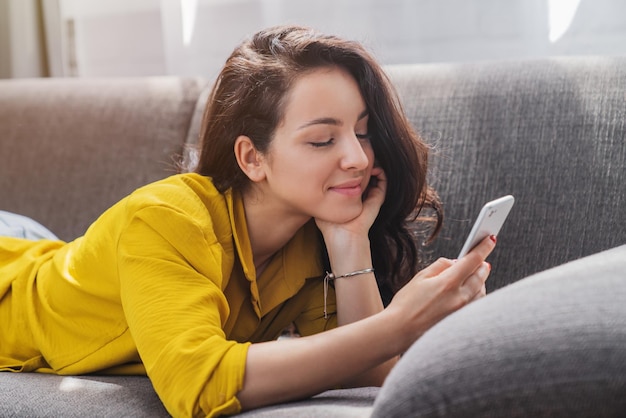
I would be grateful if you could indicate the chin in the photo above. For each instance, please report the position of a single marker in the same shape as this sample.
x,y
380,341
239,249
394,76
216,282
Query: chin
x,y
343,216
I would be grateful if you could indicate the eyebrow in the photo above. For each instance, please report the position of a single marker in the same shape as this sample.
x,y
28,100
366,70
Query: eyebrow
x,y
330,121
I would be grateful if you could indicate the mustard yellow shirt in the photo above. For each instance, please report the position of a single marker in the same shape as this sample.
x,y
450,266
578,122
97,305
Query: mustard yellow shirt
x,y
162,283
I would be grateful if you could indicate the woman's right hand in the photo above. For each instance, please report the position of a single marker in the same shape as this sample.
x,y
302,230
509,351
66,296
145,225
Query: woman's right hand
x,y
289,369
442,288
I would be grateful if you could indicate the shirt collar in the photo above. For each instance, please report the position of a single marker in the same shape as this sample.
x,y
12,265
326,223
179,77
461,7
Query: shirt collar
x,y
288,270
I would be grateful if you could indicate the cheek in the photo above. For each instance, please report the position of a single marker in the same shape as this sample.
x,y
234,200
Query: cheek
x,y
293,168
369,151
282,162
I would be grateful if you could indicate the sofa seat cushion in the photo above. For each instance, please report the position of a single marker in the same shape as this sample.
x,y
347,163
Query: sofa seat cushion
x,y
338,403
42,395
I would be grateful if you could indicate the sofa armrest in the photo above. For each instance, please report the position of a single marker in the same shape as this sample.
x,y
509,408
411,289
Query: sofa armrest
x,y
551,345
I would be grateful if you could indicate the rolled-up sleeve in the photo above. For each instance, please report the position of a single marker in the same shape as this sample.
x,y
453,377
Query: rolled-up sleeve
x,y
171,272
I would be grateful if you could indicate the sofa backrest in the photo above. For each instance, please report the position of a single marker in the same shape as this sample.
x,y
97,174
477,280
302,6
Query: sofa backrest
x,y
70,148
552,132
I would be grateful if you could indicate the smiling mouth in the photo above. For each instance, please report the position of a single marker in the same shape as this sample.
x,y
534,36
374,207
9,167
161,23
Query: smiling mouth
x,y
348,190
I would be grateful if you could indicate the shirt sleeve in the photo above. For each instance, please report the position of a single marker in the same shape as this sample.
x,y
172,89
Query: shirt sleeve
x,y
171,271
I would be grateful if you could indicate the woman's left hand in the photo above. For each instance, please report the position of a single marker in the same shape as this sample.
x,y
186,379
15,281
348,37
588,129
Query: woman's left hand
x,y
373,198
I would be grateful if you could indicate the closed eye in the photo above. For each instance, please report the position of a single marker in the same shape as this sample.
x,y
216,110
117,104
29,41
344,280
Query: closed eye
x,y
322,144
363,136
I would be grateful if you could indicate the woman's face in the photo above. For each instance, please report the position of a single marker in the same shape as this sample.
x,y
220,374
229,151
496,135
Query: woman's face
x,y
320,159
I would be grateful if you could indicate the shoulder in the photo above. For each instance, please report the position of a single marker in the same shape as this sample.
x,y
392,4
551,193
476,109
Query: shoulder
x,y
178,190
176,206
191,195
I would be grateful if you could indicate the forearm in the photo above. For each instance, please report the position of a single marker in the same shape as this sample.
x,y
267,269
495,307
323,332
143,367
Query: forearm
x,y
284,370
357,297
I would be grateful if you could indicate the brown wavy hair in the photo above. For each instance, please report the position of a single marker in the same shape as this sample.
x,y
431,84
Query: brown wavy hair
x,y
249,97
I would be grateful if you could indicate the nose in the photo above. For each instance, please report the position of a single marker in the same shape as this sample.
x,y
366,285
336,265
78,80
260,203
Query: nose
x,y
355,155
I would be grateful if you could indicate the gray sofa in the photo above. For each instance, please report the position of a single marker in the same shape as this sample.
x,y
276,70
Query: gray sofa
x,y
552,132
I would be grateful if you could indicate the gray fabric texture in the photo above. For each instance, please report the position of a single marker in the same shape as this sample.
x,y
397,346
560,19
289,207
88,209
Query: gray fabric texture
x,y
551,345
551,132
38,395
340,403
70,148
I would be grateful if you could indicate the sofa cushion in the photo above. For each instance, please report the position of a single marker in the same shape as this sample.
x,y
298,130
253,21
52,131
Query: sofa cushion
x,y
550,345
551,132
70,148
339,403
39,395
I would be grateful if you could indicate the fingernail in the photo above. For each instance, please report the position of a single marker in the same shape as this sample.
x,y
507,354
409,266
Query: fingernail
x,y
489,265
493,238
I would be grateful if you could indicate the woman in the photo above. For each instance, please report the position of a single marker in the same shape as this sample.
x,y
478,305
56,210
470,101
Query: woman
x,y
297,213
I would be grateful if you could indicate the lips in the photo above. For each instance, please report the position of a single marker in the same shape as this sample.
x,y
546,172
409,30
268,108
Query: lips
x,y
349,188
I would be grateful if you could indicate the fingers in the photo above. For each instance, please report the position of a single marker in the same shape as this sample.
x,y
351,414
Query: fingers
x,y
467,265
378,172
445,287
430,272
466,277
436,268
374,196
378,188
474,286
481,294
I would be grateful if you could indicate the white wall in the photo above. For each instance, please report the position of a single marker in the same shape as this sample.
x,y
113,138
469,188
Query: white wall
x,y
114,37
193,37
20,37
5,50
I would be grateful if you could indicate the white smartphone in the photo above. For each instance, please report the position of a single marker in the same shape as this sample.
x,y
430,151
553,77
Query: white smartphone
x,y
489,222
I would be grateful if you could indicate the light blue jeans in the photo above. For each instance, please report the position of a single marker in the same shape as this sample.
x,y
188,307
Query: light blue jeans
x,y
18,226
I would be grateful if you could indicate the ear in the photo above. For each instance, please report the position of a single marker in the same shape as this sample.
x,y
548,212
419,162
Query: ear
x,y
249,159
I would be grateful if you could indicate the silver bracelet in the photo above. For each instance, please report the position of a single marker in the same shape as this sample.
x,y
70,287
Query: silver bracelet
x,y
331,276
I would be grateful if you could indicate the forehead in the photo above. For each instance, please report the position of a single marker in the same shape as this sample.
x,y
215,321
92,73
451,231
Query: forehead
x,y
327,92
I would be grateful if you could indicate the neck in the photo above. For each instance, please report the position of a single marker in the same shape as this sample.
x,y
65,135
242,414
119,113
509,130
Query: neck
x,y
269,228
